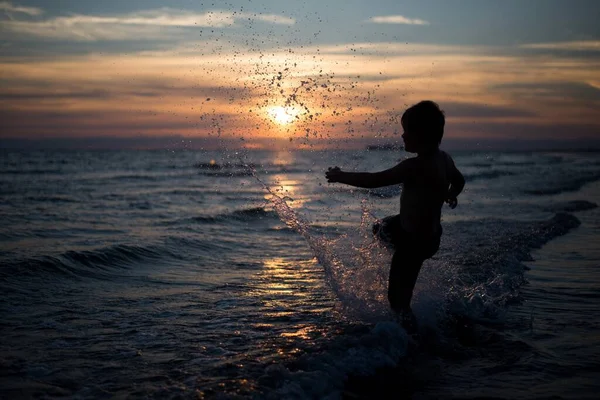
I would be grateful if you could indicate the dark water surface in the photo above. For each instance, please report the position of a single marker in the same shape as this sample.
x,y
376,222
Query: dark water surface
x,y
221,274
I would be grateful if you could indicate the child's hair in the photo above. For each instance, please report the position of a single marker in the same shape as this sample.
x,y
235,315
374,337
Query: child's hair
x,y
427,119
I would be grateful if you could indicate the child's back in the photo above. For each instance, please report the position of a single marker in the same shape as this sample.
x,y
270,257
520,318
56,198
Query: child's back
x,y
425,188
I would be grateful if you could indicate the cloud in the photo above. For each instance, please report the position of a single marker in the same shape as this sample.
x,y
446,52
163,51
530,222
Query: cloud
x,y
393,48
397,19
10,8
474,110
574,91
348,92
149,24
584,45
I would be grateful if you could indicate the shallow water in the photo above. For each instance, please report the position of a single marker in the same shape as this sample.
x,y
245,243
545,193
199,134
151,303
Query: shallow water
x,y
165,274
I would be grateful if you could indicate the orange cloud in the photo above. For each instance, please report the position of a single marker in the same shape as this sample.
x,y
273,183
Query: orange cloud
x,y
337,92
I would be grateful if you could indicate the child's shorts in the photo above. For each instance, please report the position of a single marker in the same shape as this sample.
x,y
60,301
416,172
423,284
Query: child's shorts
x,y
388,230
390,233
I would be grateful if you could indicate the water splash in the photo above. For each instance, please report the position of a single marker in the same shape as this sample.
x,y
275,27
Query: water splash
x,y
356,265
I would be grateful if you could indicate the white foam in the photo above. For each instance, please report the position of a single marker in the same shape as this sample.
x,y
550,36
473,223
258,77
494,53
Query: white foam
x,y
325,373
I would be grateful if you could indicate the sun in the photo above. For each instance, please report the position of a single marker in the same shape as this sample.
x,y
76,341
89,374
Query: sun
x,y
283,115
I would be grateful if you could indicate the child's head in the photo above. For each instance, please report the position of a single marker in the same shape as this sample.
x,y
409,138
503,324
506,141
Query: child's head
x,y
423,126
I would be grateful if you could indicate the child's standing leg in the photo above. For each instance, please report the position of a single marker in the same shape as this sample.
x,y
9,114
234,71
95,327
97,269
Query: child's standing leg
x,y
404,271
403,276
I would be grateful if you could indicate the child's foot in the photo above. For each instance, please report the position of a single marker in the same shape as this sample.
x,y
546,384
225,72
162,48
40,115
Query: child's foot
x,y
376,227
408,321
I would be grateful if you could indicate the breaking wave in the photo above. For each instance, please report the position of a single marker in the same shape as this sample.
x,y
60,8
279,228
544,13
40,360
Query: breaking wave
x,y
476,280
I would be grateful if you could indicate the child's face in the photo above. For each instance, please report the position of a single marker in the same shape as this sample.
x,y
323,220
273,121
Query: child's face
x,y
410,141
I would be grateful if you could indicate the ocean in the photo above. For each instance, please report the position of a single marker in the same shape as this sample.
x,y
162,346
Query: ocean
x,y
245,275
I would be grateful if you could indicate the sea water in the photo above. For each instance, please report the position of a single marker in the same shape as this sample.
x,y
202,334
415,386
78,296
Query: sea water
x,y
243,274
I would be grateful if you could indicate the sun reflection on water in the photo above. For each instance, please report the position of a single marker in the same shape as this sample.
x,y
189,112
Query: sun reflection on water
x,y
288,190
302,333
291,291
283,183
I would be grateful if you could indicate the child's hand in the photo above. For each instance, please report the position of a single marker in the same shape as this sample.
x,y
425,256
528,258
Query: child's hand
x,y
333,174
452,202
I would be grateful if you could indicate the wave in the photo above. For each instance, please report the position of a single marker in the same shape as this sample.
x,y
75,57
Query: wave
x,y
500,163
476,274
183,192
226,174
488,175
33,171
212,165
229,169
248,172
514,163
52,199
247,215
479,164
121,177
16,234
508,238
569,183
251,213
85,264
131,177
243,215
526,163
482,275
322,374
572,206
216,166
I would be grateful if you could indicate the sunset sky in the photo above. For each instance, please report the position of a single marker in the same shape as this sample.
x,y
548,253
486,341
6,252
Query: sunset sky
x,y
309,72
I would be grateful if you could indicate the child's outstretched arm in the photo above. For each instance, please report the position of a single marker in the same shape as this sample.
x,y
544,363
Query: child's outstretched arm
x,y
368,180
457,183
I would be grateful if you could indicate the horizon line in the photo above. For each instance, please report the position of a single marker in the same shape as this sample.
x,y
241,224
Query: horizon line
x,y
178,142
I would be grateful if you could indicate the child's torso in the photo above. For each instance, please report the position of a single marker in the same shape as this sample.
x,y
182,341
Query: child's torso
x,y
424,193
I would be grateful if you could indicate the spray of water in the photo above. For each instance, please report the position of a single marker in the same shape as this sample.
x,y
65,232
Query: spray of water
x,y
356,265
474,278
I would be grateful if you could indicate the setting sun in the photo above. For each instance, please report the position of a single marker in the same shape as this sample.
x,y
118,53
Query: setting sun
x,y
283,115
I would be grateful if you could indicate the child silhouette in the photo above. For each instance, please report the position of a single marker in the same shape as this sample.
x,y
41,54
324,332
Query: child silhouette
x,y
428,180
